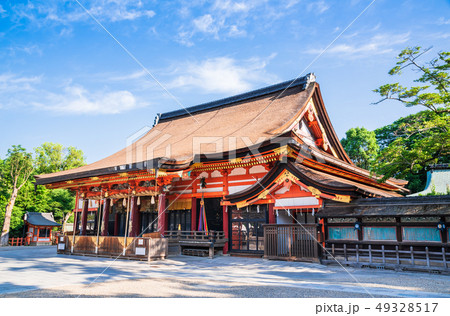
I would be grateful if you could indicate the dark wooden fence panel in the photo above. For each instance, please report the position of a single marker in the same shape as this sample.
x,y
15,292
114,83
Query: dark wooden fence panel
x,y
291,242
398,257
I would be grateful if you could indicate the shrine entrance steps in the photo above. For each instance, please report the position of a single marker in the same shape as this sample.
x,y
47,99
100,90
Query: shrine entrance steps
x,y
194,243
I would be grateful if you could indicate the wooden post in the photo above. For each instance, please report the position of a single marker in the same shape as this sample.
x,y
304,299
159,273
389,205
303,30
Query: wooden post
x,y
162,218
412,255
427,256
127,219
345,252
443,232
360,230
225,208
105,221
194,204
383,255
370,253
323,222
99,216
75,212
289,231
84,216
357,253
398,229
272,218
225,228
444,259
134,227
397,255
116,224
75,226
194,214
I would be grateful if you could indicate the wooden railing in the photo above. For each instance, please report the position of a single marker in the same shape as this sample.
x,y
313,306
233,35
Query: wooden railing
x,y
18,241
291,242
398,257
213,236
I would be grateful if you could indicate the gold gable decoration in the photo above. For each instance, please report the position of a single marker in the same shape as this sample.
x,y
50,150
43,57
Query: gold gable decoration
x,y
314,191
342,198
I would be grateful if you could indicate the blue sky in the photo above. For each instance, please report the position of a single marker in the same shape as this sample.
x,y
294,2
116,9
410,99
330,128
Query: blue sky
x,y
64,79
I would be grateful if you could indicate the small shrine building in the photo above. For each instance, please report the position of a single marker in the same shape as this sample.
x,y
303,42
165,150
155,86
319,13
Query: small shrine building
x,y
39,228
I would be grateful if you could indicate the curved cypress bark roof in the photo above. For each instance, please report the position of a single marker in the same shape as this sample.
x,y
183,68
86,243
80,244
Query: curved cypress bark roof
x,y
267,118
216,127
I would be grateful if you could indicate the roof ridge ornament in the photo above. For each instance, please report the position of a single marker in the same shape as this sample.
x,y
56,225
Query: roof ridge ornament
x,y
157,117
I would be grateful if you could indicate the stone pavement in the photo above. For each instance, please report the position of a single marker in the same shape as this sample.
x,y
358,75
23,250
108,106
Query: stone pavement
x,y
32,268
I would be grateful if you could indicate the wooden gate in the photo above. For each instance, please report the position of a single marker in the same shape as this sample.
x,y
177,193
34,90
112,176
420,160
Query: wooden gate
x,y
291,242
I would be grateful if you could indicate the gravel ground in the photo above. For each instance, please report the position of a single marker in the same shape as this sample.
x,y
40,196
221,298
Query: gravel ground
x,y
170,288
40,272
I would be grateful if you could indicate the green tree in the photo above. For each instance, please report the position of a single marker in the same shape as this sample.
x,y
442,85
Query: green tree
x,y
51,157
361,146
412,143
17,168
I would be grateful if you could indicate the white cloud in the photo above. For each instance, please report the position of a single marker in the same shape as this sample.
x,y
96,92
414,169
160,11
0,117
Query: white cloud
x,y
291,3
104,10
11,83
377,44
318,7
443,21
2,11
76,99
27,49
223,19
120,10
206,24
22,91
230,7
222,75
132,76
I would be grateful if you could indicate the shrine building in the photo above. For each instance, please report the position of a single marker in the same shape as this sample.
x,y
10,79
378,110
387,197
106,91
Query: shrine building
x,y
269,156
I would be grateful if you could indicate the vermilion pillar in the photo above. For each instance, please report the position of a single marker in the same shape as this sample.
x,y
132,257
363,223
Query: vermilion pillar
x,y
84,215
194,214
272,218
225,228
134,227
162,218
105,220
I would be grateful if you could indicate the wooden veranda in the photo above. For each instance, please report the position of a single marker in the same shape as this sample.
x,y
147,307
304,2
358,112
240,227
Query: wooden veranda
x,y
144,248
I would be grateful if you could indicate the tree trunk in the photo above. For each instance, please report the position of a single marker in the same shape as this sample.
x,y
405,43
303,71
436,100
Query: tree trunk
x,y
66,218
6,224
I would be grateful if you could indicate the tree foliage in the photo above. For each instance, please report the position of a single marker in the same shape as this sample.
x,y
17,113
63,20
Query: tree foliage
x,y
433,93
361,146
412,143
51,157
